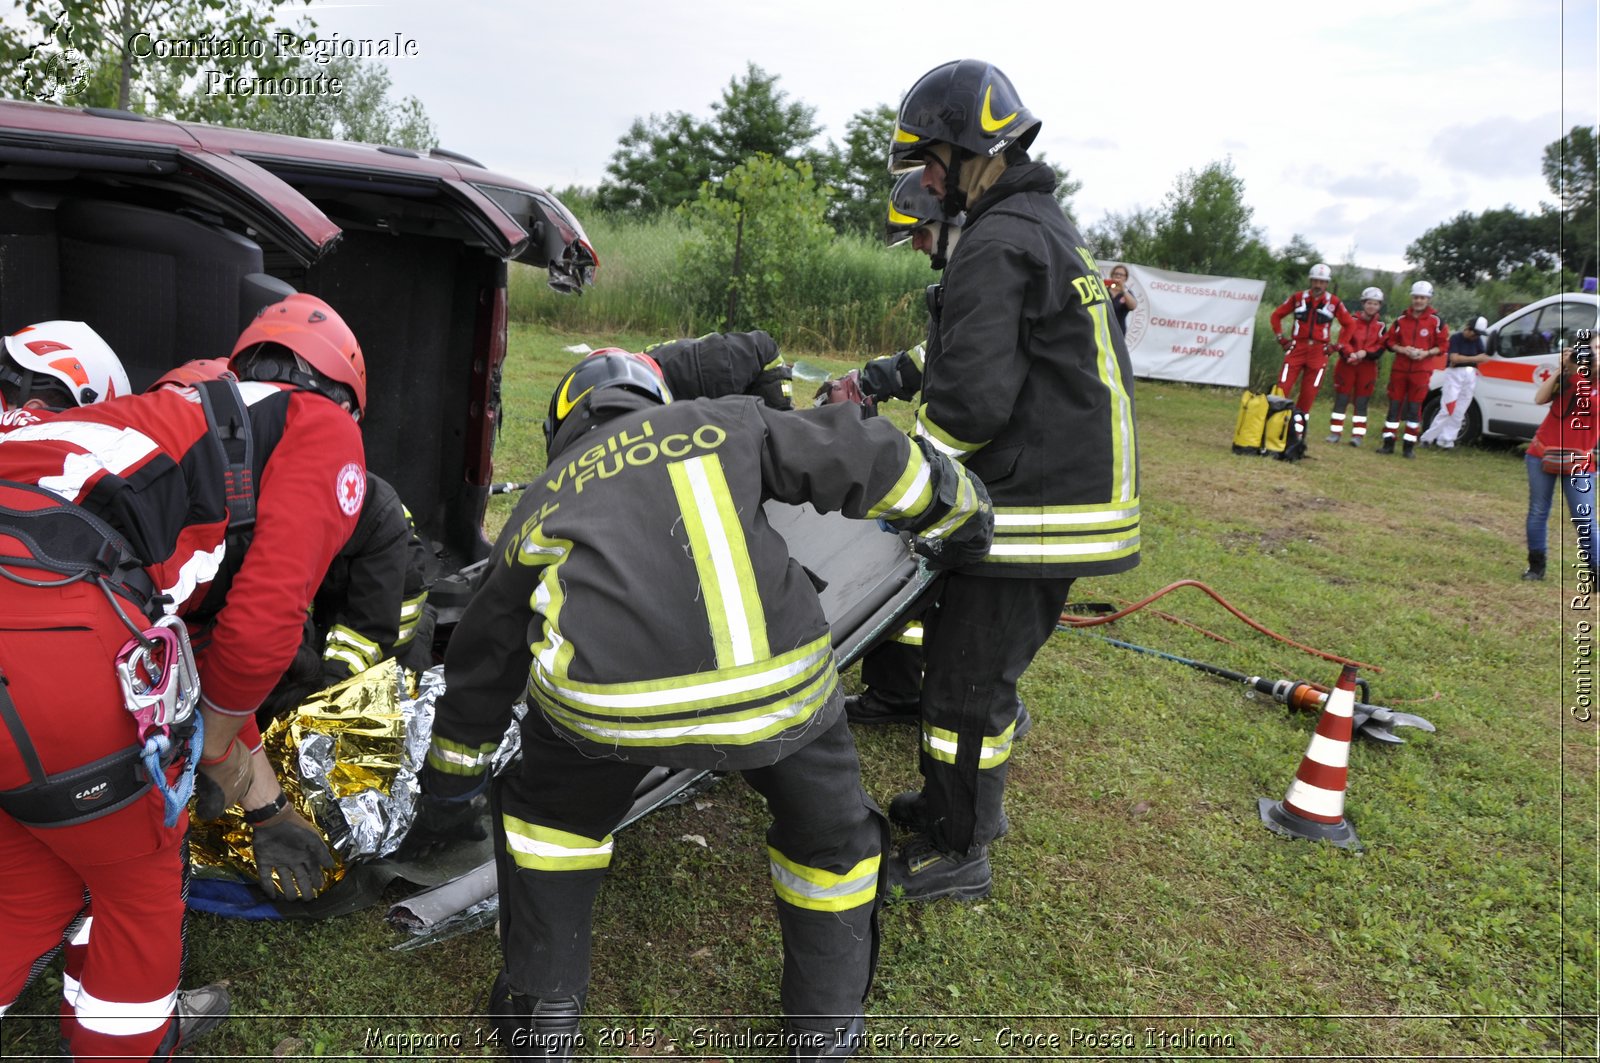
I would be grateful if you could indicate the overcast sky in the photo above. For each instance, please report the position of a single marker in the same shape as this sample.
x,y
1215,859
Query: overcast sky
x,y
1357,123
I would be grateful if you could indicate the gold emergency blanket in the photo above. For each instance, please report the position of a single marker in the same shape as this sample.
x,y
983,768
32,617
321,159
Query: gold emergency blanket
x,y
348,759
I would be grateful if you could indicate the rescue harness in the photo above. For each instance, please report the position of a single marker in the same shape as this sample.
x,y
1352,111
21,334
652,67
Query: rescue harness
x,y
155,669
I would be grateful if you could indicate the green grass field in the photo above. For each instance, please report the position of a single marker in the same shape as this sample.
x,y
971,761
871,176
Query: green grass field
x,y
1140,908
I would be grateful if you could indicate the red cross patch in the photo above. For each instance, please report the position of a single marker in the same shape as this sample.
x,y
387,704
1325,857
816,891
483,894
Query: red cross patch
x,y
350,487
1542,374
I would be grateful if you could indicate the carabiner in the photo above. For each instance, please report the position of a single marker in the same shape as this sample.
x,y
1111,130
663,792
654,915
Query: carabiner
x,y
160,685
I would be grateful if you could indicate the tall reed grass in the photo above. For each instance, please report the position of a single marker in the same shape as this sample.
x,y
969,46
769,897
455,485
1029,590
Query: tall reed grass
x,y
861,297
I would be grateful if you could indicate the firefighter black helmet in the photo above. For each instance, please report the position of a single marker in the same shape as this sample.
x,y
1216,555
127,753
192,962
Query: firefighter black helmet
x,y
968,103
609,367
911,207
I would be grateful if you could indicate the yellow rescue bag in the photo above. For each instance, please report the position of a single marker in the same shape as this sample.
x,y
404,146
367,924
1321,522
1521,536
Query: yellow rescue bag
x,y
1263,424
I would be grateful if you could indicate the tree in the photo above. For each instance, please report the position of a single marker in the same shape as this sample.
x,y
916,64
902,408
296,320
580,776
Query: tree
x,y
755,237
1295,259
361,111
1205,226
858,174
1570,170
102,53
1471,248
1127,237
661,162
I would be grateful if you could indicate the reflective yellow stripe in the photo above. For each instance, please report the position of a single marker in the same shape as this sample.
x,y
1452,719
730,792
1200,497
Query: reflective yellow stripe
x,y
722,560
823,891
965,506
1064,518
547,849
352,647
946,443
902,137
910,494
742,727
942,745
910,635
455,758
1046,534
917,354
410,613
1122,436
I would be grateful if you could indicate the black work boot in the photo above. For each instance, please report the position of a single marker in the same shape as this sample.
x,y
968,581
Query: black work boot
x,y
1535,571
909,810
533,1027
1388,446
872,708
837,1042
1409,450
200,1011
921,871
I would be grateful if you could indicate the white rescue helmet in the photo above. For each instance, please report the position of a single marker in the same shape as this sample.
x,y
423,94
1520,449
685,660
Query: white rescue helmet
x,y
1372,293
1480,325
1321,272
1422,288
72,353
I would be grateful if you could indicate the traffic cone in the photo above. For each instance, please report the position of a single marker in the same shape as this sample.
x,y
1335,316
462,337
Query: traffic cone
x,y
1314,807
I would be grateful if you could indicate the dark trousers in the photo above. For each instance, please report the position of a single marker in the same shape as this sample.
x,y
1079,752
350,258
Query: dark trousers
x,y
824,845
987,631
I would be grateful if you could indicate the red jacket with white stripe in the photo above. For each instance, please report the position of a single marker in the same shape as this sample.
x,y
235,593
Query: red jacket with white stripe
x,y
1363,334
1314,316
151,468
1424,331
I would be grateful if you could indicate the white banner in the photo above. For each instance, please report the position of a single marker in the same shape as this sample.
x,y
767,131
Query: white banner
x,y
1188,327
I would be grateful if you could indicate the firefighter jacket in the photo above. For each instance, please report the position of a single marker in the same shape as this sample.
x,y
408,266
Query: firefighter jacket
x,y
1314,315
725,363
1363,334
372,597
1424,331
1027,381
150,466
642,602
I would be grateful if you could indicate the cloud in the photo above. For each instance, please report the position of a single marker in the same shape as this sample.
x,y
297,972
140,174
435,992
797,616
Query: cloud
x,y
1497,147
1377,184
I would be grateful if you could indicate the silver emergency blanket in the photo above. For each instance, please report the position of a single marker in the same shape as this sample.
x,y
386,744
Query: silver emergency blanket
x,y
348,758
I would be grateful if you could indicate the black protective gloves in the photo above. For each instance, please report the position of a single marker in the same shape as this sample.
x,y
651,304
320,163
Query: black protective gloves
x,y
440,821
291,858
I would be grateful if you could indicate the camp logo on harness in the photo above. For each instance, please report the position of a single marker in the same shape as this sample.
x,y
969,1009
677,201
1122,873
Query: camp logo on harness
x,y
90,796
350,487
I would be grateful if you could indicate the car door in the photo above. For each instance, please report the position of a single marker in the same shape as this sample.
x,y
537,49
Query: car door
x,y
1525,352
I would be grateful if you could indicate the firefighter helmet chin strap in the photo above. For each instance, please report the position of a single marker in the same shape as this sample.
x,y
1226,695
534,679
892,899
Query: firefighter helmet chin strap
x,y
955,200
941,247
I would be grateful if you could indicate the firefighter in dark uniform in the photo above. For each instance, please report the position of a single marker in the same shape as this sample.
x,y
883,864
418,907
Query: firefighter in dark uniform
x,y
369,607
1027,382
116,517
892,671
653,617
726,363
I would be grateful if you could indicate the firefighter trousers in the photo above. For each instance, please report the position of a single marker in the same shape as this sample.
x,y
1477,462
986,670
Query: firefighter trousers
x,y
554,819
120,988
987,631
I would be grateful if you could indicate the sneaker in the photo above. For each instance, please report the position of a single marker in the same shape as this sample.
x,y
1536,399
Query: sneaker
x,y
1333,437
869,708
1355,441
200,1011
908,810
923,872
839,1042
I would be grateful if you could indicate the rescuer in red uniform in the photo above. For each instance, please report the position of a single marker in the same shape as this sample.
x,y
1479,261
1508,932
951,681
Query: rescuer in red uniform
x,y
113,519
1315,310
1355,375
1418,339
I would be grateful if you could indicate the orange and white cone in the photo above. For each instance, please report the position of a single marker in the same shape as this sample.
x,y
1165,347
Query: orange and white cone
x,y
1314,806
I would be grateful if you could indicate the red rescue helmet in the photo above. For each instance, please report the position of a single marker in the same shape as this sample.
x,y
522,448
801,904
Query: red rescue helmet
x,y
193,372
313,330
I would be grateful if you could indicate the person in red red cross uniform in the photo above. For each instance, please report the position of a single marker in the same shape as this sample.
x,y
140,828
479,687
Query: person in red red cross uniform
x,y
1418,339
1355,375
1315,310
